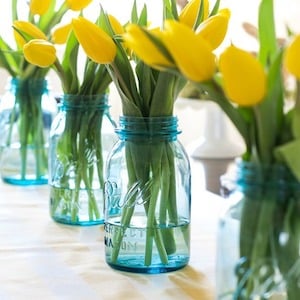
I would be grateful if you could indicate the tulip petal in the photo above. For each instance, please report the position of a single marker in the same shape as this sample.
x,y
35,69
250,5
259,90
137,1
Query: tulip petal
x,y
78,4
60,35
115,24
189,13
137,40
40,53
291,57
191,53
96,43
39,7
243,76
214,29
29,29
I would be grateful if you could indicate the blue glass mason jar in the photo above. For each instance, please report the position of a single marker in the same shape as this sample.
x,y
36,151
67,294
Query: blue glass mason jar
x,y
26,114
81,136
147,198
258,243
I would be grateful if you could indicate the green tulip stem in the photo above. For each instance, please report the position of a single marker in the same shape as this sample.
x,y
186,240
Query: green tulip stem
x,y
154,175
80,148
27,112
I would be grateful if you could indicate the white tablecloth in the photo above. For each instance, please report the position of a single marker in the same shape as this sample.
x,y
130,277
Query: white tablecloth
x,y
41,259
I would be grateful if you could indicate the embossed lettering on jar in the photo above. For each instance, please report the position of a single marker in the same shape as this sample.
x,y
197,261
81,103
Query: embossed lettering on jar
x,y
147,198
81,136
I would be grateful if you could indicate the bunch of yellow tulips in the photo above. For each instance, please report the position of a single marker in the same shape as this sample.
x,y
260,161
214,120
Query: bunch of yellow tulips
x,y
43,16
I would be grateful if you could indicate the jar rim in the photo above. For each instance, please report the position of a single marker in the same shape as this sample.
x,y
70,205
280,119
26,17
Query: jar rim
x,y
249,174
72,101
139,127
22,85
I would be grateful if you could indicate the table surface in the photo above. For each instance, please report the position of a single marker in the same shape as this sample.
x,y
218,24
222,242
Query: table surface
x,y
41,259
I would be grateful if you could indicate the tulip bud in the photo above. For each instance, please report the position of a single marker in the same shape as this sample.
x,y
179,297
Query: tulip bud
x,y
214,28
60,35
140,43
77,4
40,53
96,43
115,24
291,57
192,54
28,29
190,12
244,78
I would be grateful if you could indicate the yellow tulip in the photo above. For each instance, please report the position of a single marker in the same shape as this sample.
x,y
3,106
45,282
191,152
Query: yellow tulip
x,y
191,53
40,53
243,76
291,57
78,4
39,7
189,13
115,24
29,29
137,40
60,35
96,43
214,28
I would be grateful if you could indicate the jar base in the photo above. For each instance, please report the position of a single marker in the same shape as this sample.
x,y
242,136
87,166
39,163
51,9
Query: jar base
x,y
136,265
17,180
68,221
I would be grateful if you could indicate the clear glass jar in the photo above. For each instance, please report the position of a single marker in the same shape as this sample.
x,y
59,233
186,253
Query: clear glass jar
x,y
259,234
81,136
26,113
147,198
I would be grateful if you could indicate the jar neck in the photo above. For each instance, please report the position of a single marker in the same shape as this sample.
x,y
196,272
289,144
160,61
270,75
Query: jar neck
x,y
145,128
276,176
28,86
83,102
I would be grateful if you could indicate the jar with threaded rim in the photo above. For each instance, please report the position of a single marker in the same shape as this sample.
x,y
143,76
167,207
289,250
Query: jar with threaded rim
x,y
258,242
26,113
81,136
147,197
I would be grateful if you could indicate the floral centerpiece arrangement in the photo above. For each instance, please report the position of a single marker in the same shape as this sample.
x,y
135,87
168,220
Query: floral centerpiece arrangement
x,y
148,203
82,133
23,126
251,91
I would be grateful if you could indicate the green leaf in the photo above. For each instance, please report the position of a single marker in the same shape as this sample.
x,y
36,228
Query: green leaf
x,y
215,8
121,69
289,154
267,34
9,59
146,84
14,10
170,10
240,120
295,119
101,80
69,65
165,93
88,77
200,15
134,13
269,113
143,17
296,123
53,17
45,19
